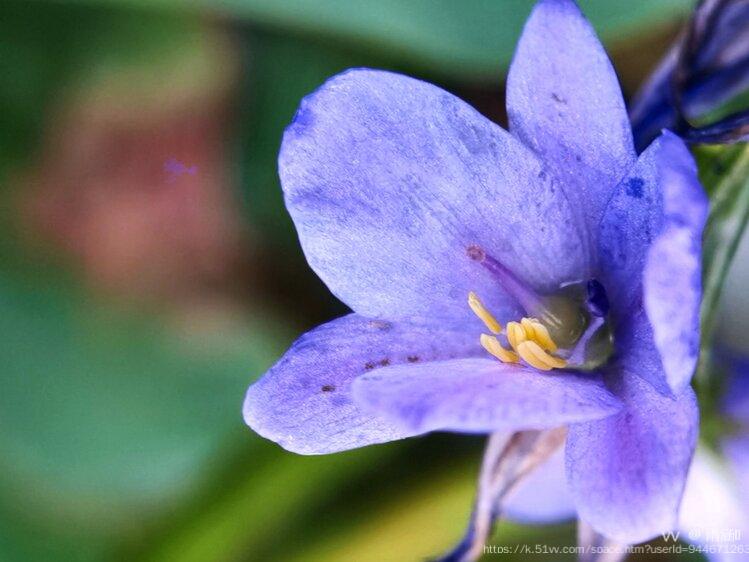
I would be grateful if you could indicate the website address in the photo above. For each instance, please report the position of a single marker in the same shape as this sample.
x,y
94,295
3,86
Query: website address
x,y
545,549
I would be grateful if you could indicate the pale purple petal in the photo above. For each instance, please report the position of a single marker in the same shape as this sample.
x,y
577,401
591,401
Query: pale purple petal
x,y
736,450
735,403
735,406
481,395
651,251
713,512
304,401
673,269
627,472
543,496
390,180
564,101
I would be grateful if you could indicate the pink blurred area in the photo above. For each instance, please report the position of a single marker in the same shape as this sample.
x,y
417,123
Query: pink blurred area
x,y
102,194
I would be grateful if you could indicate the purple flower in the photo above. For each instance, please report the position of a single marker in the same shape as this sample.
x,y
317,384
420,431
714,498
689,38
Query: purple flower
x,y
707,66
581,261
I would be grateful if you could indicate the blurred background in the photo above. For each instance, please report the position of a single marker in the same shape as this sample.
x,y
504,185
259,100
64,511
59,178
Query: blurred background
x,y
149,273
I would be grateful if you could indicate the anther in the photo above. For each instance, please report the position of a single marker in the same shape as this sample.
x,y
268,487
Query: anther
x,y
538,333
515,334
486,317
492,345
536,357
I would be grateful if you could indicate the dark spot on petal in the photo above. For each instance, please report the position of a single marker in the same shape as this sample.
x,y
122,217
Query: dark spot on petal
x,y
369,365
476,253
380,325
578,158
413,358
634,187
328,388
384,362
557,98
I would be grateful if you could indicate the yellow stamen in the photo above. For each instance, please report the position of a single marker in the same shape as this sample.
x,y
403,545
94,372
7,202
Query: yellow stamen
x,y
515,334
529,339
492,345
480,310
538,333
536,357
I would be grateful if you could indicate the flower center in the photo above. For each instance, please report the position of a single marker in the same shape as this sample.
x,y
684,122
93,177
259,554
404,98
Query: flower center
x,y
529,339
568,329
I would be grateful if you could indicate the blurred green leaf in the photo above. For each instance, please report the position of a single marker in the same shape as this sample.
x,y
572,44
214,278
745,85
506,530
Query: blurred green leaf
x,y
462,39
725,174
292,503
248,513
25,540
101,411
724,171
472,40
423,521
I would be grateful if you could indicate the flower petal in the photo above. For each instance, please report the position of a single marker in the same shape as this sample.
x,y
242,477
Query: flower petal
x,y
637,353
713,511
736,450
564,101
481,395
673,276
542,496
390,180
735,402
304,401
627,472
651,257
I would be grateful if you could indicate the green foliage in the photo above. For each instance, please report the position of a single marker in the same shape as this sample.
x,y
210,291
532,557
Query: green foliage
x,y
470,40
725,174
100,404
724,171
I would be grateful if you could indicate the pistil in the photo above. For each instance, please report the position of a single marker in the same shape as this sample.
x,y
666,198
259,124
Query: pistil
x,y
560,314
526,297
